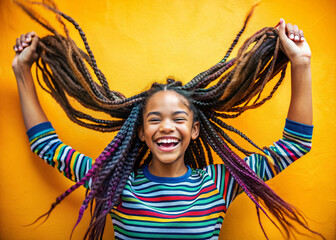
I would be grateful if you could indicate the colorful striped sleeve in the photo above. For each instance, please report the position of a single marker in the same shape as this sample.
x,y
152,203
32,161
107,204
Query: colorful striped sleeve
x,y
295,143
46,144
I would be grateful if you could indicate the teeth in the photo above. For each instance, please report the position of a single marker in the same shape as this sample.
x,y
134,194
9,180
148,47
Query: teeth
x,y
167,140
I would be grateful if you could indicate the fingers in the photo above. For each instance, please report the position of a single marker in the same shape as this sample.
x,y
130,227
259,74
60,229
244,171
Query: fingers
x,y
17,46
301,36
24,41
30,35
290,31
294,33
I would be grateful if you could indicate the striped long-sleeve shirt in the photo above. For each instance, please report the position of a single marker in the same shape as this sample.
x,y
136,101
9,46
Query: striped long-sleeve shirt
x,y
191,206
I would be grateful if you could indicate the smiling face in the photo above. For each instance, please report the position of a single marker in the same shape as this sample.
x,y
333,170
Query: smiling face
x,y
168,126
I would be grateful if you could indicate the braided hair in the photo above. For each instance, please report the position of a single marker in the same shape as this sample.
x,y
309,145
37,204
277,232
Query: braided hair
x,y
224,91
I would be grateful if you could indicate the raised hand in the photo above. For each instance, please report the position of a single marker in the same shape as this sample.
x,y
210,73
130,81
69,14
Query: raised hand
x,y
25,49
25,55
293,43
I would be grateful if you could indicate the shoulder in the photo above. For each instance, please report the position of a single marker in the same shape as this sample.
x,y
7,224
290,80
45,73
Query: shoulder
x,y
213,171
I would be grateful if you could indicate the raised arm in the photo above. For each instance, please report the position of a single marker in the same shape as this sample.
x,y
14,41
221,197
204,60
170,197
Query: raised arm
x,y
42,137
298,130
294,45
25,49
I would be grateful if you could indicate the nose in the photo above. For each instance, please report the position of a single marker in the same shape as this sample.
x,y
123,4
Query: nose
x,y
166,126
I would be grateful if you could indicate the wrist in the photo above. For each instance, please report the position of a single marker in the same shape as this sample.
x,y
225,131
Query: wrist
x,y
301,62
21,67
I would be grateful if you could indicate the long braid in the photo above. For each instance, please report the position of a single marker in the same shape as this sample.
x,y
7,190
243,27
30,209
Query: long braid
x,y
232,129
225,90
231,166
113,194
201,153
257,191
210,71
230,140
111,172
207,148
142,153
189,158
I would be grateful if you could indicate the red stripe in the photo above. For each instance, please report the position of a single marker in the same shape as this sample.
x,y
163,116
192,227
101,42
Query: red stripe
x,y
67,163
292,155
176,198
146,213
226,182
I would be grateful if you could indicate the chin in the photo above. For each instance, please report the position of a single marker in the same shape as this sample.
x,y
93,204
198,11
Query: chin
x,y
167,161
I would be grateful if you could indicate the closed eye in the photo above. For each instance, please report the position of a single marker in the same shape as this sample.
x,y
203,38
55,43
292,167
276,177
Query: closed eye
x,y
180,119
154,120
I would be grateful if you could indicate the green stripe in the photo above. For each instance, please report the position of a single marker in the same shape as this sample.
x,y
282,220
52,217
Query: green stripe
x,y
259,161
222,181
74,167
41,134
293,133
301,148
305,139
143,180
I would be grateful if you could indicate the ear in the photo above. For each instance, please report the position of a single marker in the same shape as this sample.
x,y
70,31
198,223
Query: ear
x,y
141,133
195,130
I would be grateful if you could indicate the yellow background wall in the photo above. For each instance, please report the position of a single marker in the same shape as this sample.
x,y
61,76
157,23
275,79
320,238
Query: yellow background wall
x,y
138,42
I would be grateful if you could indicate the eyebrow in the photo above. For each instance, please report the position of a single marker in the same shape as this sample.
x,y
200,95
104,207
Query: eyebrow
x,y
159,114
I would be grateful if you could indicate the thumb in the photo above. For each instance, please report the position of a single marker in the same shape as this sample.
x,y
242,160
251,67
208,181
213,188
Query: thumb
x,y
34,42
282,29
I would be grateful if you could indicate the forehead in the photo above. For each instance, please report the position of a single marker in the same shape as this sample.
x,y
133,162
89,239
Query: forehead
x,y
166,100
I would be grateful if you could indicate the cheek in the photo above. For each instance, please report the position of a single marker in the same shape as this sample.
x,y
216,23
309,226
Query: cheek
x,y
187,133
148,132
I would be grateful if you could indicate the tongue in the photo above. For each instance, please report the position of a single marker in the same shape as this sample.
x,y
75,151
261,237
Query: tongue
x,y
167,145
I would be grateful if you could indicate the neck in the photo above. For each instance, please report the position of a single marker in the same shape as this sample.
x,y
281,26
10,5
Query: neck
x,y
175,169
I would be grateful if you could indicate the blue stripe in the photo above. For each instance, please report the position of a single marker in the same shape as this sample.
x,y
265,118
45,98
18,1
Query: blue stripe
x,y
299,127
37,129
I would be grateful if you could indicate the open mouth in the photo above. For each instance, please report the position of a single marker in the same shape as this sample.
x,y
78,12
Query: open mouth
x,y
167,144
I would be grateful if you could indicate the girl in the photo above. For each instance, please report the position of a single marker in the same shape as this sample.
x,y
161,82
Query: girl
x,y
157,178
